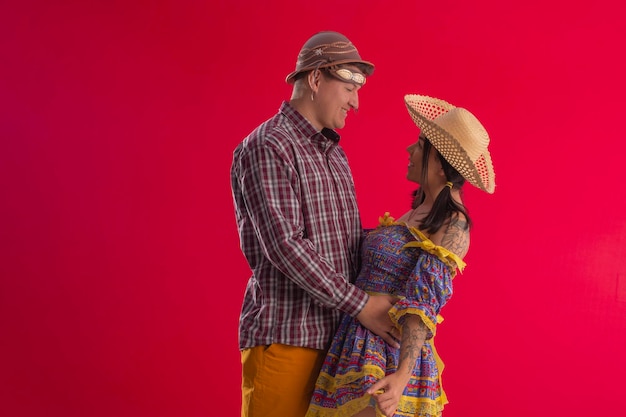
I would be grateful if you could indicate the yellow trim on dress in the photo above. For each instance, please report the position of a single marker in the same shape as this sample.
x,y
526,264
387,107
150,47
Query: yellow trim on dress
x,y
449,258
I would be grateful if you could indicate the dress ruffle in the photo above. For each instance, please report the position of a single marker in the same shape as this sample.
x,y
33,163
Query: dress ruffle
x,y
423,242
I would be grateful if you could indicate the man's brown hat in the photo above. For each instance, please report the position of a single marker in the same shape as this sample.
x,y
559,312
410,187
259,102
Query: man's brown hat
x,y
327,49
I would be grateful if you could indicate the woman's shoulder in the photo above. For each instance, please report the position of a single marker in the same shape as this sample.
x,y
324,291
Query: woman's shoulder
x,y
454,235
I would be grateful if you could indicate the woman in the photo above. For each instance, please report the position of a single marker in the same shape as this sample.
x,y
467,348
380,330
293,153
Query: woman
x,y
413,261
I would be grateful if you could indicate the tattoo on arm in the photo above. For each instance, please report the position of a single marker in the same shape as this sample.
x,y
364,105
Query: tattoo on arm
x,y
412,341
456,237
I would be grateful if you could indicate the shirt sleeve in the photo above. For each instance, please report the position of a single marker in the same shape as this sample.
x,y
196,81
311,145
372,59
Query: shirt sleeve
x,y
270,183
427,291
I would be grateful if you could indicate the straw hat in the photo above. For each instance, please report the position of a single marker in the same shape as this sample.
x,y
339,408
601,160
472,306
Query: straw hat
x,y
458,136
327,49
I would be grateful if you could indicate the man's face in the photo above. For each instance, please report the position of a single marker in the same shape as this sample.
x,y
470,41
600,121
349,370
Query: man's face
x,y
335,98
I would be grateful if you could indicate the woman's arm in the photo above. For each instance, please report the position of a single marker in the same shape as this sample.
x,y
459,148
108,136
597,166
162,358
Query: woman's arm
x,y
414,333
388,390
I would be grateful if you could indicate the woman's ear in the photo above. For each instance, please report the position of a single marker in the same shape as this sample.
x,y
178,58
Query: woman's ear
x,y
440,171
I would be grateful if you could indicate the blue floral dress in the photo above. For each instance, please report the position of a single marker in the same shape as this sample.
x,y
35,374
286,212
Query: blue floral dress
x,y
403,262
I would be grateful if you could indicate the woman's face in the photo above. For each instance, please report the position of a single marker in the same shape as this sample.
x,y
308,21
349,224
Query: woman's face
x,y
415,168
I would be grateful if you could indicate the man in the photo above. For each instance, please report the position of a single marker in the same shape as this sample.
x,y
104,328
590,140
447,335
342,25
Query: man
x,y
300,232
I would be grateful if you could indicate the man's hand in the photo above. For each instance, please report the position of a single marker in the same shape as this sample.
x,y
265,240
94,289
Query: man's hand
x,y
375,317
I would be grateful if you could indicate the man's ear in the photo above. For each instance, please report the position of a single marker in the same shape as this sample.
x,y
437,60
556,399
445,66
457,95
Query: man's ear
x,y
314,78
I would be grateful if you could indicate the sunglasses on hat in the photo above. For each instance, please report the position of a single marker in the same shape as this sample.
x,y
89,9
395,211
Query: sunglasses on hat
x,y
346,75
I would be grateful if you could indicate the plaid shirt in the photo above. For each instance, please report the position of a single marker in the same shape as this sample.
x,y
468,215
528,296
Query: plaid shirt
x,y
300,232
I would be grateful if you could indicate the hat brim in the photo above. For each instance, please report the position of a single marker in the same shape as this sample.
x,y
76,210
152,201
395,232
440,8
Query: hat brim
x,y
369,68
424,110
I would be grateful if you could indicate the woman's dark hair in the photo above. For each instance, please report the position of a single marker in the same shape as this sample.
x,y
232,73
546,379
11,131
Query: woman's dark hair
x,y
444,206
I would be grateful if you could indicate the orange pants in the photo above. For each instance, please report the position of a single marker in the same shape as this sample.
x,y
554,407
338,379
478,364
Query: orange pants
x,y
278,380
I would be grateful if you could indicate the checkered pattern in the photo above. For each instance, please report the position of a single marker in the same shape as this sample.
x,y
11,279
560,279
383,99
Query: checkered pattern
x,y
300,232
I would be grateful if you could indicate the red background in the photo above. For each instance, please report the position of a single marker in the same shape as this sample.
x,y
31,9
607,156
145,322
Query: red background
x,y
121,275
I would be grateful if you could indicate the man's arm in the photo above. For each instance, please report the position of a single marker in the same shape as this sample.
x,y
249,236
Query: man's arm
x,y
271,184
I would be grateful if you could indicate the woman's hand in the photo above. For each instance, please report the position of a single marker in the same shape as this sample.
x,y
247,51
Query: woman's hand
x,y
387,393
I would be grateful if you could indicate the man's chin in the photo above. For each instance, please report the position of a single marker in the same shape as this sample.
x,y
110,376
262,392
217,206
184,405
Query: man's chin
x,y
341,125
